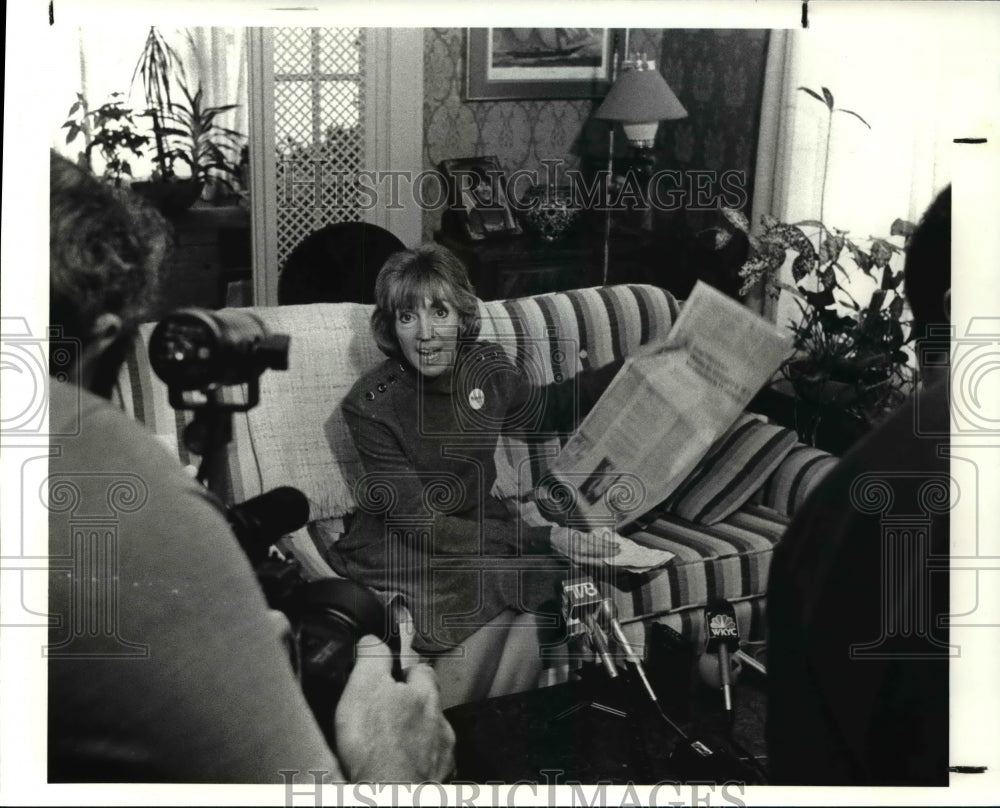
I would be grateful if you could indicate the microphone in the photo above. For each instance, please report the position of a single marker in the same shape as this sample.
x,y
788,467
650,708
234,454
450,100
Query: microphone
x,y
751,662
262,520
581,606
609,613
723,637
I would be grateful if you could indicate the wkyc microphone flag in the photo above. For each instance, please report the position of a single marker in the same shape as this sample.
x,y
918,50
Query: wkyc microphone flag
x,y
722,626
723,637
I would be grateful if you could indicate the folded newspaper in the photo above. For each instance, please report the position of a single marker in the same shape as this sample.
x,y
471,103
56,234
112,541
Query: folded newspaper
x,y
664,410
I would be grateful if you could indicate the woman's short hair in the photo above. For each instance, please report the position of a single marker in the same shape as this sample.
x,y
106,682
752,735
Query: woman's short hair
x,y
407,278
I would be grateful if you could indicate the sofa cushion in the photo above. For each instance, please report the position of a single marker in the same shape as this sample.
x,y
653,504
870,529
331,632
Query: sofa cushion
x,y
728,560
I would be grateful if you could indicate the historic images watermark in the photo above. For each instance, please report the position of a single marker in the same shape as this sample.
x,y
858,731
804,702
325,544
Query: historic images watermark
x,y
30,363
84,561
910,505
313,788
320,183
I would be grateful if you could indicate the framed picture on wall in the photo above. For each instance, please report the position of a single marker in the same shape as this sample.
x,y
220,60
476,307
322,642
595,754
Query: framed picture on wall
x,y
538,62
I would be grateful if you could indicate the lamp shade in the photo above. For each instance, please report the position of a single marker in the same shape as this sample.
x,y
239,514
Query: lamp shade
x,y
640,97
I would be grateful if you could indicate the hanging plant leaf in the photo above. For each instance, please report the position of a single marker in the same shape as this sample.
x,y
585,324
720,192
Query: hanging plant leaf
x,y
896,308
861,258
818,300
896,333
800,242
828,278
810,223
722,238
878,298
881,252
852,112
803,265
736,219
774,254
768,221
814,94
829,250
828,98
890,279
753,269
843,271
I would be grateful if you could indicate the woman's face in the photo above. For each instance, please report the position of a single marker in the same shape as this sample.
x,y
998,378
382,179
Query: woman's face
x,y
428,335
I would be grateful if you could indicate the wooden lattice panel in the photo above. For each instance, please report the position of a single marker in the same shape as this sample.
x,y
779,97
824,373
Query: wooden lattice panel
x,y
319,123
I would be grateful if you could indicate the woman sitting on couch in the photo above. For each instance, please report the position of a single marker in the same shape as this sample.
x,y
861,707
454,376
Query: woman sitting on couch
x,y
426,423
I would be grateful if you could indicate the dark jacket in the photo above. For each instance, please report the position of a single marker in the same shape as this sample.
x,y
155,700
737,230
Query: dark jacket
x,y
427,526
857,660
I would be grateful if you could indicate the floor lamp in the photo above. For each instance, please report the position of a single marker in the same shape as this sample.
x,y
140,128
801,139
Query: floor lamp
x,y
639,99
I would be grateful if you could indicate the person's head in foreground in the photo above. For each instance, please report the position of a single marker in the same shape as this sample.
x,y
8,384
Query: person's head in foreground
x,y
106,247
927,286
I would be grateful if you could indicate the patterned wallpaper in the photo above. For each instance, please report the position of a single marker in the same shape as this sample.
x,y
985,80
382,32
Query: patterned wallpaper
x,y
717,74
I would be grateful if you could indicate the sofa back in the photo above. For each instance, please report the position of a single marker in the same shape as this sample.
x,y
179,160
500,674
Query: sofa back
x,y
296,435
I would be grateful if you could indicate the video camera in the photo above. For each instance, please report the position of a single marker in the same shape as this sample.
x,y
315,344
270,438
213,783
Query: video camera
x,y
197,352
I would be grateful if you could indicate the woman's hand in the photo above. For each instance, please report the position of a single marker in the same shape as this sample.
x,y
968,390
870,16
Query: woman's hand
x,y
585,545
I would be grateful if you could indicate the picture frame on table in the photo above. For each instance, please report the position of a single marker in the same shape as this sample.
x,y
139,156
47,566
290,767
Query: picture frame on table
x,y
543,63
479,208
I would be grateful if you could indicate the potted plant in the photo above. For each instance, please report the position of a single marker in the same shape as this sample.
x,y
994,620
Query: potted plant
x,y
185,131
850,355
110,129
849,352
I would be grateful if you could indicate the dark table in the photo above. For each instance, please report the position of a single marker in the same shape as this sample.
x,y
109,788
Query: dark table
x,y
520,265
599,730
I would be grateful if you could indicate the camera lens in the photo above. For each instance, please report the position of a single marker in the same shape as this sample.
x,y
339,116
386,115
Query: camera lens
x,y
193,349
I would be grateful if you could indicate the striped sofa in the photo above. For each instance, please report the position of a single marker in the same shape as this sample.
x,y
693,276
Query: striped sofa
x,y
296,436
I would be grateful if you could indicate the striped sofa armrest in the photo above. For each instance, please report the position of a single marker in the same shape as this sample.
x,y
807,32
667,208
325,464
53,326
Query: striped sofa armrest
x,y
795,477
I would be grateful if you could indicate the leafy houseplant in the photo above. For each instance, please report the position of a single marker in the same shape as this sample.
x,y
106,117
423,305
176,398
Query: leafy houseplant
x,y
185,131
111,129
849,351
